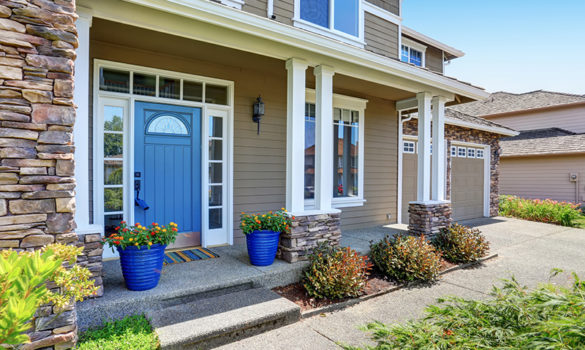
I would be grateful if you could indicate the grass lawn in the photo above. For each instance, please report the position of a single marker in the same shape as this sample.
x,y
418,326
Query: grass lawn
x,y
130,333
548,317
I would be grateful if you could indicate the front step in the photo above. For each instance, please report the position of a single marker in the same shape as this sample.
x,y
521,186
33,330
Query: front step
x,y
222,319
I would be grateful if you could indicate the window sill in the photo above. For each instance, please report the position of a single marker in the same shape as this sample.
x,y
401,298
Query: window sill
x,y
331,33
337,203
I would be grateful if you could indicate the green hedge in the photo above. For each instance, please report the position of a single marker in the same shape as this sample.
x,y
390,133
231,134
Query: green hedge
x,y
549,211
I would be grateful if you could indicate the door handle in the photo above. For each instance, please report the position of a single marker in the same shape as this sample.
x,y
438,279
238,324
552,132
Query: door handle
x,y
137,201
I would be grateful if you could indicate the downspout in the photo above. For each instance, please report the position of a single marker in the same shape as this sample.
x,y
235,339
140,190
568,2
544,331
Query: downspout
x,y
400,151
270,9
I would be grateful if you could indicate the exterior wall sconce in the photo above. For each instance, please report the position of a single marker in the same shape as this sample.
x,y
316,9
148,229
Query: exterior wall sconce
x,y
258,112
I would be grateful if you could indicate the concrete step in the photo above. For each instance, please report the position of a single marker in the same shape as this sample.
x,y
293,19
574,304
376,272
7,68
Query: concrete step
x,y
222,319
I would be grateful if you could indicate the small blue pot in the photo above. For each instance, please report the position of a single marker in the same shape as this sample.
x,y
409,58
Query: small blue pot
x,y
262,246
142,267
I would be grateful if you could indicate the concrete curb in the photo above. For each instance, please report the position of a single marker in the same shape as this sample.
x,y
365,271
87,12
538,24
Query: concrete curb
x,y
345,304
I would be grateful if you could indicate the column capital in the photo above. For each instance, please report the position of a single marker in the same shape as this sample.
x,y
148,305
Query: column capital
x,y
440,99
424,95
296,63
85,14
324,70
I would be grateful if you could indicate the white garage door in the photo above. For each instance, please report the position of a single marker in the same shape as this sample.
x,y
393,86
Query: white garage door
x,y
467,181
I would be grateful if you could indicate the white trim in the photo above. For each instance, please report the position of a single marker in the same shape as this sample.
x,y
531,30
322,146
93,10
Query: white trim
x,y
81,94
261,35
323,137
382,13
438,160
460,154
432,42
127,100
423,183
400,165
295,134
414,46
233,3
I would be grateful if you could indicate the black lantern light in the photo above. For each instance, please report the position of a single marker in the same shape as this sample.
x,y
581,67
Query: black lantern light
x,y
258,112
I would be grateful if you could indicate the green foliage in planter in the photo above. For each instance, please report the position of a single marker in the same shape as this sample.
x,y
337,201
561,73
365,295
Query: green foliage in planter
x,y
133,332
278,221
406,258
549,317
461,244
23,278
336,272
549,211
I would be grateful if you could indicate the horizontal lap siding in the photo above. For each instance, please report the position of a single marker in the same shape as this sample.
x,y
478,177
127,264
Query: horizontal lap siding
x,y
543,177
257,7
388,5
572,119
284,11
381,36
434,59
380,162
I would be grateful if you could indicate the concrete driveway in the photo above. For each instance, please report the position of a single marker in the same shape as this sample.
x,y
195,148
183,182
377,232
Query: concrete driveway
x,y
527,250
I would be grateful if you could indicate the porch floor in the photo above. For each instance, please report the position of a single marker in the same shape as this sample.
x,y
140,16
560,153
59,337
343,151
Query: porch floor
x,y
179,283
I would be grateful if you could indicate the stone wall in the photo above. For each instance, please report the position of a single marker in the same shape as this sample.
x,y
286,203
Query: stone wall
x,y
457,133
306,232
37,48
91,258
428,219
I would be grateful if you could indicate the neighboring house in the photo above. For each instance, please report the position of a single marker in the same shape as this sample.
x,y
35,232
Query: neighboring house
x,y
165,91
547,159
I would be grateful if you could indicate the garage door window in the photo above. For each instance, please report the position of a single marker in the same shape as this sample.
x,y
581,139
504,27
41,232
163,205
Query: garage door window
x,y
409,147
453,151
479,153
471,153
461,152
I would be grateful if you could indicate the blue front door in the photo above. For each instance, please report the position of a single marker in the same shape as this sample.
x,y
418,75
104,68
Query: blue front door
x,y
167,168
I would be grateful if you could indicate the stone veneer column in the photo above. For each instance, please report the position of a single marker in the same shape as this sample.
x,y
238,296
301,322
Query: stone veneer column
x,y
307,231
37,49
428,218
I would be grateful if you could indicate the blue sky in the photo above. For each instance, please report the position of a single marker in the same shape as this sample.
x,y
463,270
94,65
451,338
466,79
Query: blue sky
x,y
509,45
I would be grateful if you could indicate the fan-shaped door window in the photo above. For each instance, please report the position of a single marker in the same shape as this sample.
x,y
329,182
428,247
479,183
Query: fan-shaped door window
x,y
167,124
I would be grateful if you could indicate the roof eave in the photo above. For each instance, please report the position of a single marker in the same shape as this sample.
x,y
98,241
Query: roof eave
x,y
492,129
421,37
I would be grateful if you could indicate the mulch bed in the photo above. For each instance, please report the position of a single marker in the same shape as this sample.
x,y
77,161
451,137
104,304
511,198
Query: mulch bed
x,y
377,283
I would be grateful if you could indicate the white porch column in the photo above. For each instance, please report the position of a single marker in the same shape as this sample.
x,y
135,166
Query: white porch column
x,y
81,128
295,135
323,137
423,186
438,174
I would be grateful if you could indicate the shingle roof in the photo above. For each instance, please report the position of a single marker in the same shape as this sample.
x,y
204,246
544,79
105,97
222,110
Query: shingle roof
x,y
536,142
452,114
505,102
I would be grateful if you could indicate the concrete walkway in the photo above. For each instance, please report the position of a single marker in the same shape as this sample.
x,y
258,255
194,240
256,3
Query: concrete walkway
x,y
526,250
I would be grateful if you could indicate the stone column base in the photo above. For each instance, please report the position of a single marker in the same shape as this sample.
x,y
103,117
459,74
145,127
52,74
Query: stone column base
x,y
306,232
91,257
428,218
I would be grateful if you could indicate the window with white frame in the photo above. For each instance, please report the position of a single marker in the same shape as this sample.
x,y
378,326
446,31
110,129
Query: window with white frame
x,y
347,152
409,147
412,52
479,153
339,18
471,152
461,152
453,151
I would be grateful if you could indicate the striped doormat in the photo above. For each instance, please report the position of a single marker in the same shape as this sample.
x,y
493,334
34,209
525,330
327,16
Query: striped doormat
x,y
181,256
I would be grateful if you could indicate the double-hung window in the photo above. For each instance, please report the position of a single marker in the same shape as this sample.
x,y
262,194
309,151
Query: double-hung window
x,y
412,52
348,153
341,19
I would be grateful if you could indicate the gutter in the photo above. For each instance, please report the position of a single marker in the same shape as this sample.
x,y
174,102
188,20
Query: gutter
x,y
227,17
432,42
492,129
533,155
535,110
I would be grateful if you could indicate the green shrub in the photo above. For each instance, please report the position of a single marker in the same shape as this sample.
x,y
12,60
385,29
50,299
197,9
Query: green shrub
x,y
549,211
406,258
549,317
133,332
23,288
336,272
461,244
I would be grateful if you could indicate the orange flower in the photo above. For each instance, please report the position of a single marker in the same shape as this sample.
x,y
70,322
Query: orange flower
x,y
175,229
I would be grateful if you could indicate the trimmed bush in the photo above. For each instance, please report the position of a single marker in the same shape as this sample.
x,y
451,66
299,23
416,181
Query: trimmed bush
x,y
406,258
336,273
549,211
461,244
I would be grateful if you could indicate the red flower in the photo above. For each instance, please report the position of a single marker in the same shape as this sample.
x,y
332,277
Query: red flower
x,y
117,228
152,233
175,229
122,222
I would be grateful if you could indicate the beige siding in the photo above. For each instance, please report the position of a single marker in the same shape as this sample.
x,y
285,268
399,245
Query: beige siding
x,y
381,36
543,177
572,118
388,5
257,7
380,162
434,59
284,11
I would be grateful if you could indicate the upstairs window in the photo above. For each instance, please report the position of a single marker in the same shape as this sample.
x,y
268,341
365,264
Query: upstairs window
x,y
412,52
341,15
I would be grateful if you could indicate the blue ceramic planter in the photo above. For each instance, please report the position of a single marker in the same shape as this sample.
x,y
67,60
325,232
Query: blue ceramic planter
x,y
142,267
262,246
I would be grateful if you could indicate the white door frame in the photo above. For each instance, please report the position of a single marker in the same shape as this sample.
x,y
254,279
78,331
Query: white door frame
x,y
129,100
